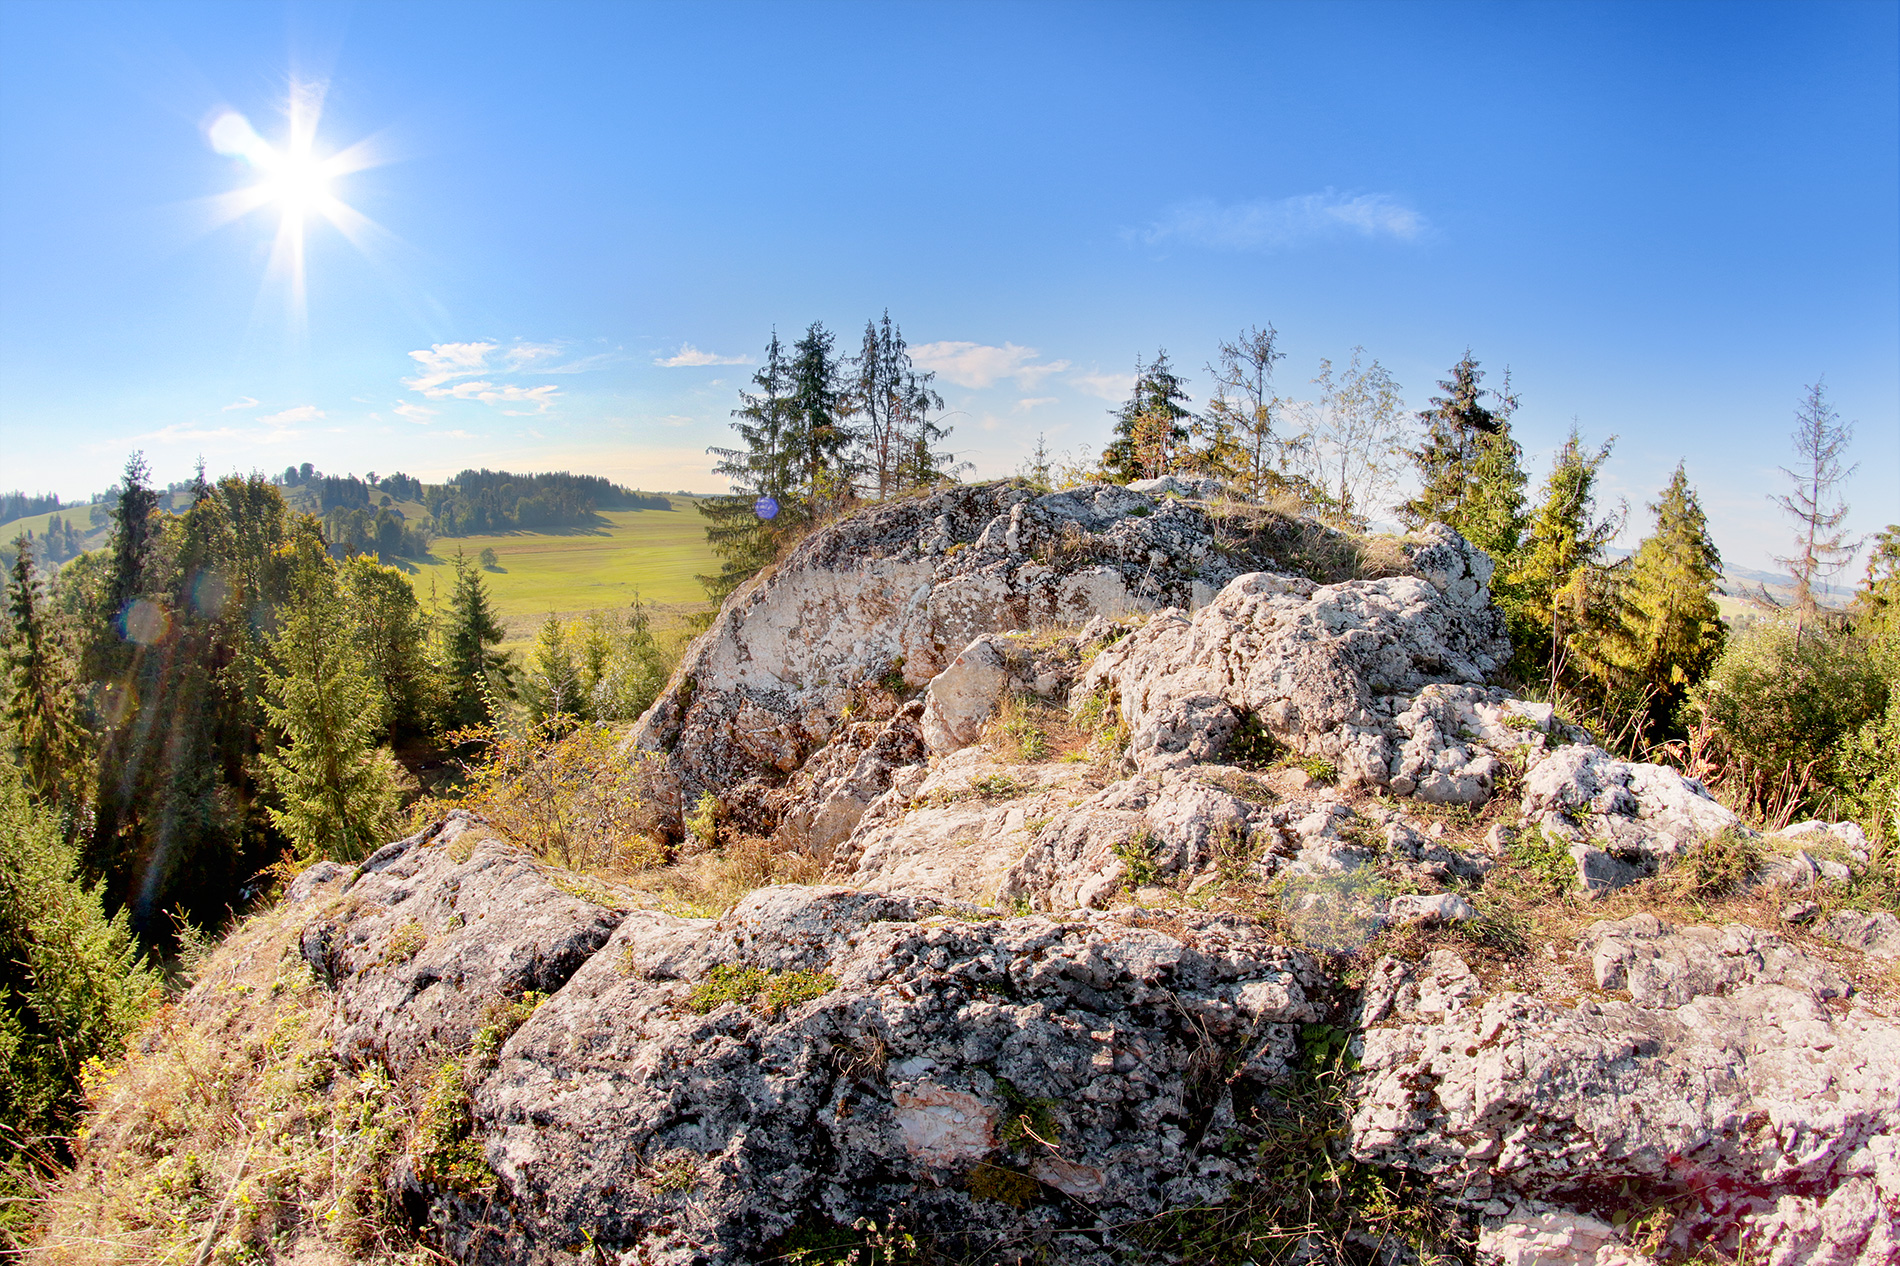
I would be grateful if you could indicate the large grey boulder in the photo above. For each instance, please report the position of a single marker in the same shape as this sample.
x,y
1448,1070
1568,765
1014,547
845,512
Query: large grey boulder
x,y
432,931
1326,669
1733,1075
902,588
1085,1071
1623,819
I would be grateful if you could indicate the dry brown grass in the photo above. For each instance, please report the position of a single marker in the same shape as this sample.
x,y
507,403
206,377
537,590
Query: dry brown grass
x,y
231,1134
1027,731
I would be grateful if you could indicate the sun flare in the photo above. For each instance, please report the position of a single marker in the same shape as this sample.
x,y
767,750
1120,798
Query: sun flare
x,y
293,177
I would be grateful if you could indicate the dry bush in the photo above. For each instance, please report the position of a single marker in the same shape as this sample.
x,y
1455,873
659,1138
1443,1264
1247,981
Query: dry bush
x,y
567,793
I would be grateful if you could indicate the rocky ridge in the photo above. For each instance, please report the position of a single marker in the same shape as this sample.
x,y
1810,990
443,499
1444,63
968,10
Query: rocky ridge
x,y
1024,1019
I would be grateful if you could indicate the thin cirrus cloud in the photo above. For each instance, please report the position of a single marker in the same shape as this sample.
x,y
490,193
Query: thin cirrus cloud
x,y
1109,386
1268,224
979,365
420,414
302,413
242,402
688,356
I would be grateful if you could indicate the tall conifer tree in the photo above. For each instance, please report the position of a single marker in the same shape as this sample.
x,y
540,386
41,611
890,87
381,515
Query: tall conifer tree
x,y
1549,586
1151,429
1665,630
41,703
472,628
766,468
1456,426
337,785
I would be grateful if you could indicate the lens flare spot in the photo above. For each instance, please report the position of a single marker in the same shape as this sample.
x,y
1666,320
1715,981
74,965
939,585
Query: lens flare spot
x,y
146,622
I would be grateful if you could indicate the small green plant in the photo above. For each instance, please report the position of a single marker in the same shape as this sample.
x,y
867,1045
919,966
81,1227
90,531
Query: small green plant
x,y
678,1170
1032,1122
1714,867
1000,787
893,678
1319,769
1251,746
1545,857
446,1150
405,944
1519,721
702,824
768,992
1233,850
1141,512
1137,854
1031,742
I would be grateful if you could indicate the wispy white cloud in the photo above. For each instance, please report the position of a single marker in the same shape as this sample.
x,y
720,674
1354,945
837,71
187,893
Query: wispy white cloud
x,y
689,355
1034,402
1266,224
242,402
445,362
442,364
302,413
505,393
1110,386
420,414
677,419
982,365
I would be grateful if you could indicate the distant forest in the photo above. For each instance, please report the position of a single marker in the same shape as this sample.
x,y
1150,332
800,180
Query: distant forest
x,y
360,515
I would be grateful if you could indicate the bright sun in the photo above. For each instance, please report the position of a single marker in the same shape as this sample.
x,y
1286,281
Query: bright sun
x,y
297,182
293,178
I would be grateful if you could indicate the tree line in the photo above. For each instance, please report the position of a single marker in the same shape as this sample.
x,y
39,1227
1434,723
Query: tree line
x,y
822,431
1786,710
218,696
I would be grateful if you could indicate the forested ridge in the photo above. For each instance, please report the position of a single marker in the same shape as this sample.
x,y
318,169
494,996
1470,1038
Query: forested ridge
x,y
233,684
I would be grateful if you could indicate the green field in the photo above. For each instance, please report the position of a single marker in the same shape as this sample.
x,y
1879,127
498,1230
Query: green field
x,y
571,570
79,516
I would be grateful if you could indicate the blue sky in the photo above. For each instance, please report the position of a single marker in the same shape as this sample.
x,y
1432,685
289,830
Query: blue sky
x,y
1665,219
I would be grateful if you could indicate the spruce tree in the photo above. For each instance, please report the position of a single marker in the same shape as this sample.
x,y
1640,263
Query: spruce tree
x,y
394,645
472,629
553,684
766,468
41,701
337,784
1493,516
1151,429
1547,590
73,988
1455,427
1666,631
821,434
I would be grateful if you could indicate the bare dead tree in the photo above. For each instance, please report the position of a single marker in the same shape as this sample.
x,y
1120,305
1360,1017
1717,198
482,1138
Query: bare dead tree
x,y
1822,548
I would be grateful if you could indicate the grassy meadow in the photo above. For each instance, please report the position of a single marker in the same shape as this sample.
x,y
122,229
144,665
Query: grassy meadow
x,y
572,570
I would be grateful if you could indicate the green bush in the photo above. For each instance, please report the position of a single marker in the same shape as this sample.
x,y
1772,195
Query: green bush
x,y
73,987
1781,699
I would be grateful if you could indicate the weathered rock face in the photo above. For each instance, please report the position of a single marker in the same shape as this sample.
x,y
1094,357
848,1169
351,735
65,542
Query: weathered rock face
x,y
1328,670
433,929
902,588
1621,818
1733,1076
939,1050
